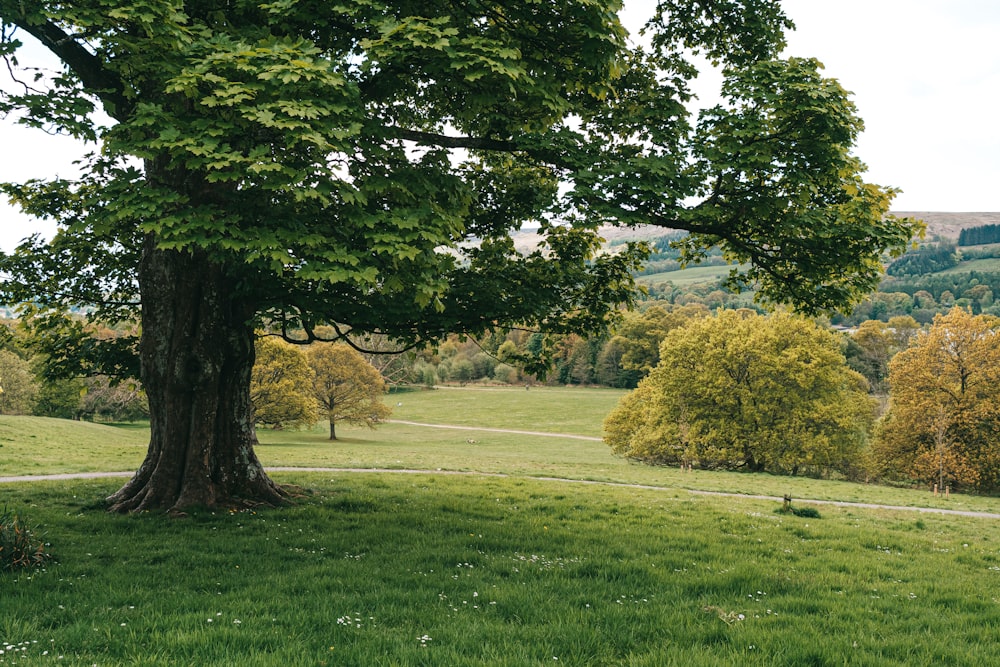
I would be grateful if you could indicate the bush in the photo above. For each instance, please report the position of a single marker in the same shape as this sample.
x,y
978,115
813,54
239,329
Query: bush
x,y
505,373
806,512
20,547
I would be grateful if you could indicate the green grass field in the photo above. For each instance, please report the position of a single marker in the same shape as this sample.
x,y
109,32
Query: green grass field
x,y
987,265
689,276
383,568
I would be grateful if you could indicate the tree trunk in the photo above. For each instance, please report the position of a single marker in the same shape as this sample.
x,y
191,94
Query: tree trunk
x,y
197,354
333,430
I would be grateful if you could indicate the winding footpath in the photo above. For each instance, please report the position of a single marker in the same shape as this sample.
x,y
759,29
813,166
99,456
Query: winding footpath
x,y
648,487
497,430
565,480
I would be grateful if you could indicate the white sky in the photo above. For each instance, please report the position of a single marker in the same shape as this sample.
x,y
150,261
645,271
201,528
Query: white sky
x,y
925,76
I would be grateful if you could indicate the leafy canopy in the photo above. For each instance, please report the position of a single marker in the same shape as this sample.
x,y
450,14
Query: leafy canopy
x,y
361,163
943,416
741,390
280,386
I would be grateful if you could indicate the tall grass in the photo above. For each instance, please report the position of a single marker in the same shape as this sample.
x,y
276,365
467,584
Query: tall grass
x,y
371,569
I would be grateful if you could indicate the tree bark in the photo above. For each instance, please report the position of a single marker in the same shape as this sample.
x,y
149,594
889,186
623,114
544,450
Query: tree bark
x,y
333,430
197,354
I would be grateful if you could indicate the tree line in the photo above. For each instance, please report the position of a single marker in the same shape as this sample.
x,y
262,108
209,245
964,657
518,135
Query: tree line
x,y
891,402
929,258
291,386
981,235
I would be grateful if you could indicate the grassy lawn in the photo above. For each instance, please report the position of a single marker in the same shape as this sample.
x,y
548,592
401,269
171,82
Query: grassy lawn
x,y
42,446
575,410
371,569
474,569
29,446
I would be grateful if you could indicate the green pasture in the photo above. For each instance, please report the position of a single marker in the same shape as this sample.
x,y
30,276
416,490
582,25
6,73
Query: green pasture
x,y
421,569
34,446
500,565
688,276
986,265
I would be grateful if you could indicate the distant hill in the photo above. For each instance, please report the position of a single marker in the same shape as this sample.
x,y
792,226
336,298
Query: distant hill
x,y
527,239
949,225
944,224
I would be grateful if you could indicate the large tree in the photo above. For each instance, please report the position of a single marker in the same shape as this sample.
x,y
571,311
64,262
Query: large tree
x,y
741,390
943,422
281,386
293,163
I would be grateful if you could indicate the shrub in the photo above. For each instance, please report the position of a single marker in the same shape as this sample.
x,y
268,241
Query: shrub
x,y
20,547
505,373
807,512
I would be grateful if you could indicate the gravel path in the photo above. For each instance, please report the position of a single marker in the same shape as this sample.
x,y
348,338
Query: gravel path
x,y
497,430
836,503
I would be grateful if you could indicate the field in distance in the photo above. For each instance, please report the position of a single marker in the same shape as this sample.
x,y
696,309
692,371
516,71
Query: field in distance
x,y
690,276
502,433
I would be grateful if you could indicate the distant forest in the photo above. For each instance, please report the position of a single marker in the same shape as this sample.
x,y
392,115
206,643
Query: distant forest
x,y
979,235
926,259
926,281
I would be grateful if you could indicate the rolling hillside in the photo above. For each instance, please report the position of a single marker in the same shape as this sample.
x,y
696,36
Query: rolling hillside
x,y
949,225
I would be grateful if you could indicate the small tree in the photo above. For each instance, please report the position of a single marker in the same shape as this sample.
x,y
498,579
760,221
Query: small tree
x,y
60,398
505,373
280,386
462,370
103,398
346,386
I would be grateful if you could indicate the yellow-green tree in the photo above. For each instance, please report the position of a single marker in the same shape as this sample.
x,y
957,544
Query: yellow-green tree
x,y
943,422
741,390
18,387
873,345
280,386
347,387
640,334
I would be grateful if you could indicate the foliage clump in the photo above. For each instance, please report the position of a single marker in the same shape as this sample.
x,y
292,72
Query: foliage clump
x,y
929,259
21,548
280,386
744,391
18,386
942,420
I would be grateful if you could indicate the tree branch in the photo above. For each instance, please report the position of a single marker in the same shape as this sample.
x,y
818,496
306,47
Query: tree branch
x,y
445,141
96,79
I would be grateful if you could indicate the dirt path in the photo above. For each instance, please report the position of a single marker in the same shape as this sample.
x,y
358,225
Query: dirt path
x,y
648,487
497,430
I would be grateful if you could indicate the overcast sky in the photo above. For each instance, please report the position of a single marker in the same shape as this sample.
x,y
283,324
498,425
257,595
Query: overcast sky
x,y
925,75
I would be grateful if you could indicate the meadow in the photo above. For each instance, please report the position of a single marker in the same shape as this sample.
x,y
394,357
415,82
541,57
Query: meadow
x,y
985,265
689,276
423,568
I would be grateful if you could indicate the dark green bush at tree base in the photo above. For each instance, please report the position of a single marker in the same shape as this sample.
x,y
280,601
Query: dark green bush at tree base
x,y
20,547
805,512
